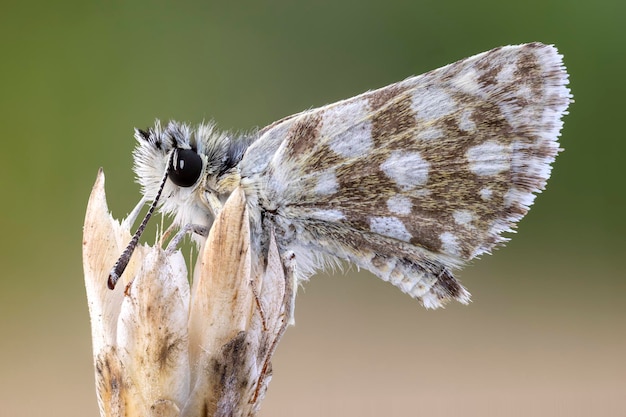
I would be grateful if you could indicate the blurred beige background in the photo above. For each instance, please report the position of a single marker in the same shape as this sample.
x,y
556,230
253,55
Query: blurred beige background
x,y
545,335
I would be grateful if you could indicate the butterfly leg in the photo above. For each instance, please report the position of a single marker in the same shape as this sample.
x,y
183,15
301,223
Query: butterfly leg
x,y
180,235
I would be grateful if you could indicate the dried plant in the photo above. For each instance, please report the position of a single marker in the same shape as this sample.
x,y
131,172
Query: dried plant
x,y
163,347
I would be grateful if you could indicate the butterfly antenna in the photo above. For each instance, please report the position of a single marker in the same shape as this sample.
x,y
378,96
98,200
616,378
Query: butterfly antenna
x,y
122,262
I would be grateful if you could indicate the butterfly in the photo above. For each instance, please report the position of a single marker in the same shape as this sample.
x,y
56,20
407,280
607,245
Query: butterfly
x,y
410,181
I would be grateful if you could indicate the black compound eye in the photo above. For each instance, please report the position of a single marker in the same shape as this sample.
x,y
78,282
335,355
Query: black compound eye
x,y
185,167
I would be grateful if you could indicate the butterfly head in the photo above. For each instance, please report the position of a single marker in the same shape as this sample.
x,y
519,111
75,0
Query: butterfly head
x,y
197,162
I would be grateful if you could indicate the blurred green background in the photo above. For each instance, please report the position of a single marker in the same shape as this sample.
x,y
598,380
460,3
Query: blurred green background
x,y
546,333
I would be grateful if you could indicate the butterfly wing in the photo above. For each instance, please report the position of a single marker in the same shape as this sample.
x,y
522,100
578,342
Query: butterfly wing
x,y
415,179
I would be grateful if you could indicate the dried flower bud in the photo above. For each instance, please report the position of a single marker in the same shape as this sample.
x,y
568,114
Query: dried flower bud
x,y
162,348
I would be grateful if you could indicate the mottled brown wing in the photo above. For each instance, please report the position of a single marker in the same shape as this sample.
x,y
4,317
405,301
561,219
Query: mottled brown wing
x,y
416,178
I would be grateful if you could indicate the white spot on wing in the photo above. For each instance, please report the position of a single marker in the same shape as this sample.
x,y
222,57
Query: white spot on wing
x,y
450,243
348,129
390,226
515,114
432,103
465,123
407,169
489,158
430,133
328,215
467,81
514,196
399,204
506,74
510,196
463,217
485,193
327,183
